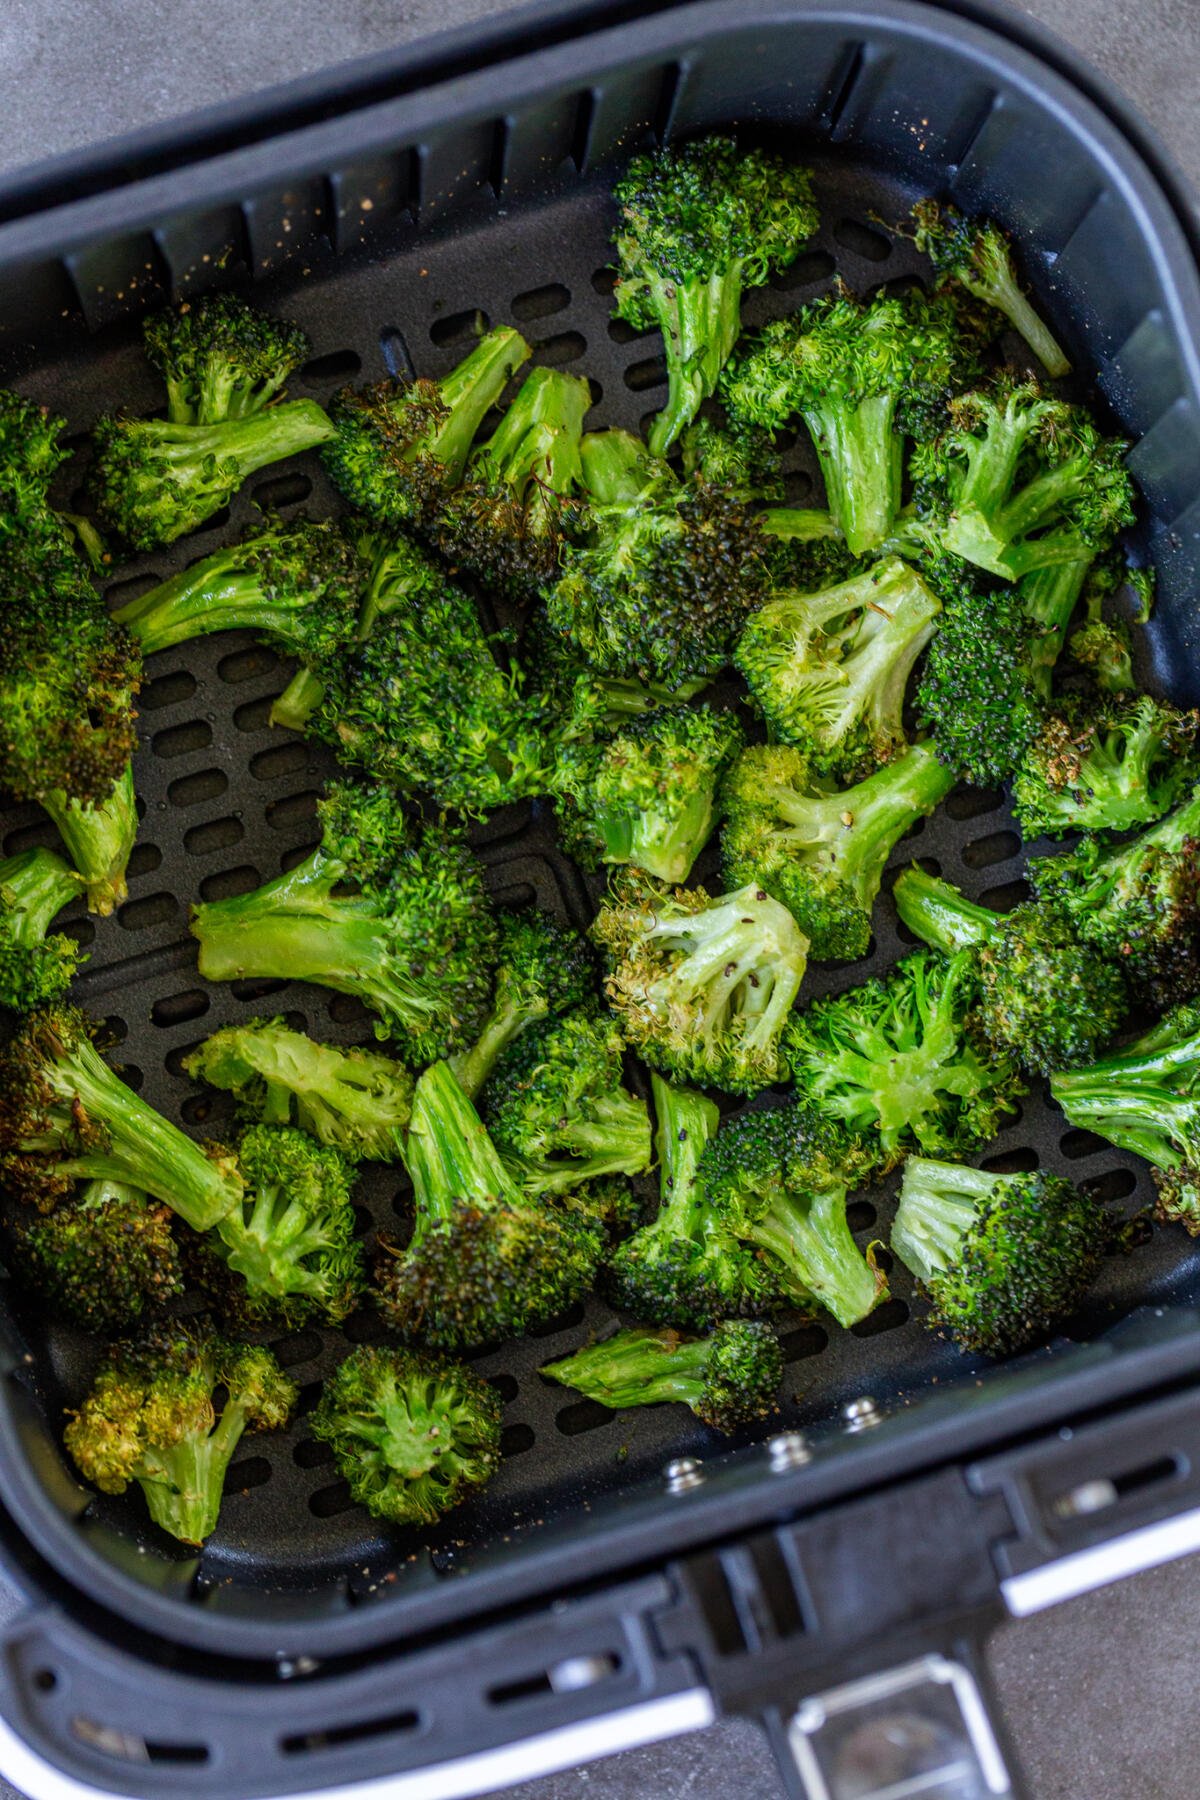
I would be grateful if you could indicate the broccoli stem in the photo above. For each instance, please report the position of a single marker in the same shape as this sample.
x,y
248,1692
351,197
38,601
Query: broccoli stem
x,y
686,1121
700,324
183,1483
35,885
862,459
218,593
941,916
937,1209
803,524
300,699
999,288
638,1368
449,1154
99,839
538,437
617,468
1049,596
1142,1098
472,1067
470,390
809,1237
253,442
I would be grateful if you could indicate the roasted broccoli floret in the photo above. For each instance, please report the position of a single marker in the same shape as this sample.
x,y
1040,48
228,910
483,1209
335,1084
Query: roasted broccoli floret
x,y
699,225
829,670
1101,647
1145,1097
779,1178
580,704
896,1059
861,376
36,965
821,853
557,1110
66,1116
685,1267
1138,901
401,923
1048,997
484,1262
358,1101
518,502
399,446
728,1379
412,1434
667,575
979,255
105,1258
151,1416
975,695
702,986
1020,481
1104,763
39,546
224,365
740,458
647,795
1004,1259
542,969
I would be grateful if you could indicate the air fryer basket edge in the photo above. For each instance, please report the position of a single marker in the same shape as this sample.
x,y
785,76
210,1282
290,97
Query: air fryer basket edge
x,y
1154,351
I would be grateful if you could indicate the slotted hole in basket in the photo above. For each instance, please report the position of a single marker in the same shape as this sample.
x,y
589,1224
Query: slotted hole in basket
x,y
364,1328
604,280
650,373
304,1743
166,690
228,882
253,988
460,327
344,1009
174,1060
1075,1144
177,1009
194,790
1114,1184
971,802
563,347
216,834
249,664
997,846
860,1215
336,365
1019,1161
39,834
397,358
809,268
1006,896
540,302
182,740
505,1386
254,715
151,910
205,1109
861,240
253,1473
327,1502
622,332
516,1439
293,809
583,1415
282,490
888,1317
120,593
143,860
297,854
563,1321
310,1453
278,761
297,1347
803,1342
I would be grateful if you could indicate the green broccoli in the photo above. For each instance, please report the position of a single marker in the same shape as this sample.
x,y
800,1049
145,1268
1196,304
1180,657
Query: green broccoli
x,y
979,255
1048,997
699,225
39,546
976,696
402,925
542,969
740,458
701,987
105,1258
729,1379
221,359
413,1435
820,853
1105,762
1004,1258
151,1416
35,967
895,1060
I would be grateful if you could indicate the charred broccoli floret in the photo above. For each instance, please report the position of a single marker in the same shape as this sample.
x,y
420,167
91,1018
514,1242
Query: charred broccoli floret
x,y
399,446
542,969
699,225
740,458
829,670
1104,763
1004,1259
1048,997
979,255
702,987
896,1060
36,965
821,853
412,1434
105,1258
975,695
401,923
728,1379
150,1416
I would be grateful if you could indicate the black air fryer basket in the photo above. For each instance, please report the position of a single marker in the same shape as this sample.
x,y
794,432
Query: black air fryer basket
x,y
627,1575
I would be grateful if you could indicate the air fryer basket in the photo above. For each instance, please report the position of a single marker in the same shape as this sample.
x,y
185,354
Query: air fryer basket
x,y
387,228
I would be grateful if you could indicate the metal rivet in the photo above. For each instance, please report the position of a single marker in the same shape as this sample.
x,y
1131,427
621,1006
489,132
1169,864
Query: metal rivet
x,y
683,1475
1088,1497
788,1451
576,1672
861,1414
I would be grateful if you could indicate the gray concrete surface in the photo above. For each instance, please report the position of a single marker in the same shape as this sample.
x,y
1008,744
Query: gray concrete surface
x,y
1098,1693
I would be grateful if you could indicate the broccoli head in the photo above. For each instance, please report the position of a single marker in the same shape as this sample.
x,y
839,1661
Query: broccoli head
x,y
151,1416
979,255
221,359
542,968
975,695
413,1435
36,965
729,1379
105,1258
740,458
1105,762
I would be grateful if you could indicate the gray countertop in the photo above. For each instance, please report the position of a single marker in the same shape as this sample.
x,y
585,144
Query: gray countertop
x,y
1098,1692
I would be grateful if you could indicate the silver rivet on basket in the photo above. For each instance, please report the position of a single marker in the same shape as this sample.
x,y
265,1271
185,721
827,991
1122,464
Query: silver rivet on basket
x,y
788,1451
577,1672
861,1414
683,1475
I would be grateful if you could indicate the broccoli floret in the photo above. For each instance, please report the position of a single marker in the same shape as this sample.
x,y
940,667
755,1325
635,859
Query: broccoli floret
x,y
150,1416
702,987
399,446
518,503
829,670
823,854
740,458
221,359
1048,997
648,794
699,225
557,1111
1020,481
609,1203
297,584
484,1261
1049,597
66,1116
975,693
291,1239
36,965
1103,649
1137,901
1104,763
358,1101
728,1379
860,376
1145,1097
543,968
779,1178
402,924
896,1060
579,704
105,1258
412,1434
979,255
1003,1258
419,700
668,574
685,1267
30,453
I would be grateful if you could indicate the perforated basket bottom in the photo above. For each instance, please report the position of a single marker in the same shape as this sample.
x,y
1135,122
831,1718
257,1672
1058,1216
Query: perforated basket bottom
x,y
228,802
